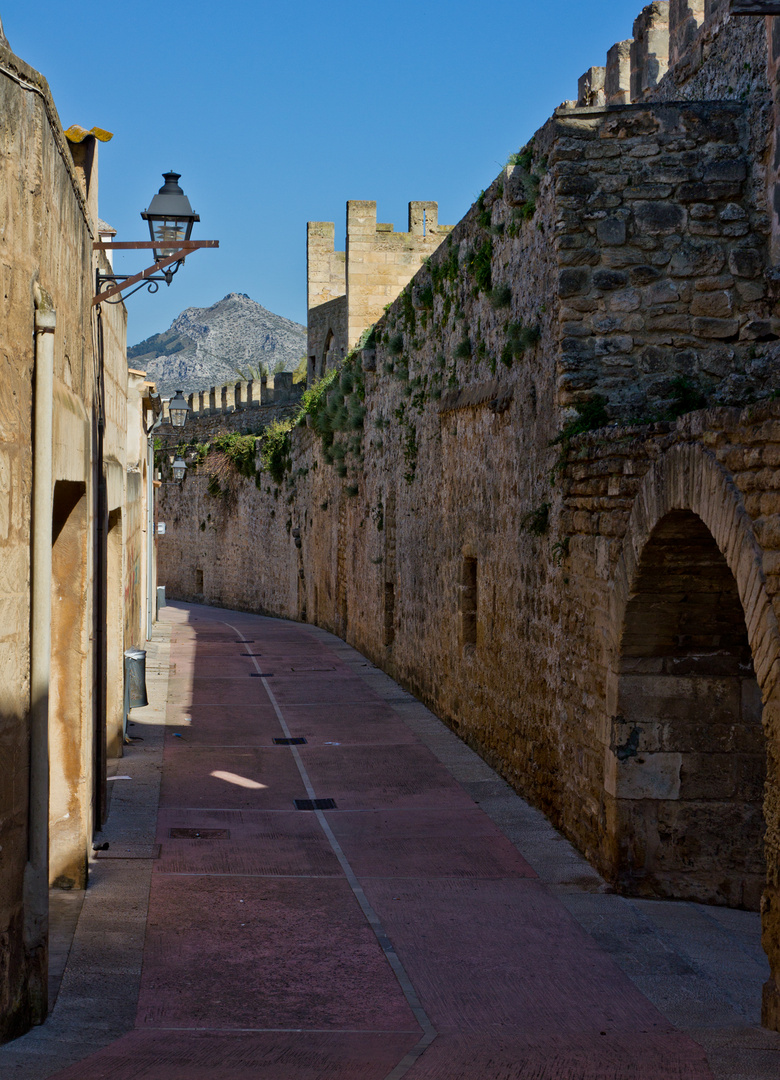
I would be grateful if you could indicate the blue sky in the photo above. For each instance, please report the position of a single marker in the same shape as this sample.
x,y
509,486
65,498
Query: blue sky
x,y
276,114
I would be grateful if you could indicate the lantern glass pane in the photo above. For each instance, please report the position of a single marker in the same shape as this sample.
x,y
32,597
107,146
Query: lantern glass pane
x,y
167,232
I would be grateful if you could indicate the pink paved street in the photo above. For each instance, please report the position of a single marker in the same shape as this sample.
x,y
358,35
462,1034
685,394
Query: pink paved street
x,y
399,934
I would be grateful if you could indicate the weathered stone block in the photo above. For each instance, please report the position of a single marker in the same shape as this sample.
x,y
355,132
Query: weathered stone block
x,y
701,261
609,279
654,359
573,281
673,321
610,346
661,292
745,262
705,192
625,300
575,185
717,305
659,218
705,228
611,231
751,291
732,212
647,191
716,328
646,776
711,284
730,169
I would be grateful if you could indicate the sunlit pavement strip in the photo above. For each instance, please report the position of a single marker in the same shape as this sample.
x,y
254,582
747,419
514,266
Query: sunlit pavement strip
x,y
401,934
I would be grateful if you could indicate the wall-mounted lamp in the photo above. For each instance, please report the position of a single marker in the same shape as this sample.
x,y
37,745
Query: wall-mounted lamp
x,y
179,469
170,218
178,410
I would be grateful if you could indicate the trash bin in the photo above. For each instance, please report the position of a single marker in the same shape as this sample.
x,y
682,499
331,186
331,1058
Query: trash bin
x,y
135,678
160,597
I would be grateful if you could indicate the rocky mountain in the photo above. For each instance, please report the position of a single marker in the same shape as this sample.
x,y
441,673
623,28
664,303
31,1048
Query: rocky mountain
x,y
209,346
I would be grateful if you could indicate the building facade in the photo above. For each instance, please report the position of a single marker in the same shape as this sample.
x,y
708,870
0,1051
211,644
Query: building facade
x,y
73,496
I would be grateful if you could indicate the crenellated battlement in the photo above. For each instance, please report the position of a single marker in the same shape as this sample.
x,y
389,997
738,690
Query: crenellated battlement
x,y
349,290
244,395
668,35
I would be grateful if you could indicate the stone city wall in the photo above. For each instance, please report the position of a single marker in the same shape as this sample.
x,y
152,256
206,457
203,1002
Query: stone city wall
x,y
593,610
200,428
222,401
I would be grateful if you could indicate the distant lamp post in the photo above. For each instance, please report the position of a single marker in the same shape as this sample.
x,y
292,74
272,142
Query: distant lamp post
x,y
179,469
170,219
178,410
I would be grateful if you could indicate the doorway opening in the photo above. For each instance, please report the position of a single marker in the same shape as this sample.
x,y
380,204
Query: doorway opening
x,y
686,763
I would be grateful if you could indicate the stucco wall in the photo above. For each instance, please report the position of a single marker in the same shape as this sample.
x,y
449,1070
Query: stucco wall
x,y
48,210
45,238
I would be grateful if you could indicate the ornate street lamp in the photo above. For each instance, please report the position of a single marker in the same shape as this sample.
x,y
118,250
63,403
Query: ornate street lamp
x,y
179,469
170,219
178,410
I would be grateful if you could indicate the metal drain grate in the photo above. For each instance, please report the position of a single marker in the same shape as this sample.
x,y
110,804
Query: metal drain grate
x,y
199,834
129,851
289,742
315,804
257,654
261,675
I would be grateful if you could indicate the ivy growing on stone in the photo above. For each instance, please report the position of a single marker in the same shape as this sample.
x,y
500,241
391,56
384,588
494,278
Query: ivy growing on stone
x,y
687,396
480,265
275,449
537,522
518,339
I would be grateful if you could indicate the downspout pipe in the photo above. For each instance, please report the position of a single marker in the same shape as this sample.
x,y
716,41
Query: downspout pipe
x,y
150,538
151,550
36,879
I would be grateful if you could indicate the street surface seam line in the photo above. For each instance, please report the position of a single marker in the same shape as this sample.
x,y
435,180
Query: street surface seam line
x,y
291,1031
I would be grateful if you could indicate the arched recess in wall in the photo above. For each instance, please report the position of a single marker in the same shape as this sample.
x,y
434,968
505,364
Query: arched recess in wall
x,y
696,645
328,353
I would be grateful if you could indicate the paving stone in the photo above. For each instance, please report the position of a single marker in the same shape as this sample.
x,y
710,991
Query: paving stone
x,y
289,945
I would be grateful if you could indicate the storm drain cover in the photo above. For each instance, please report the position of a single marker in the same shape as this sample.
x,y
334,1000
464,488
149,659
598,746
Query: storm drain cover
x,y
289,742
261,674
315,804
250,654
200,834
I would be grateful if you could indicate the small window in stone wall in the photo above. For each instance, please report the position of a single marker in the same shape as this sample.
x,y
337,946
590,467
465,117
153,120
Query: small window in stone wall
x,y
198,581
468,603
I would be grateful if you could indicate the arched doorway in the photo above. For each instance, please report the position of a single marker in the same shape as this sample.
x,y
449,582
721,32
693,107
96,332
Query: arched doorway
x,y
687,757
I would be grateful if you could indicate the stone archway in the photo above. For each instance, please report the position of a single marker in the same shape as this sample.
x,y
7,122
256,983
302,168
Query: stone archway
x,y
687,755
329,356
693,672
